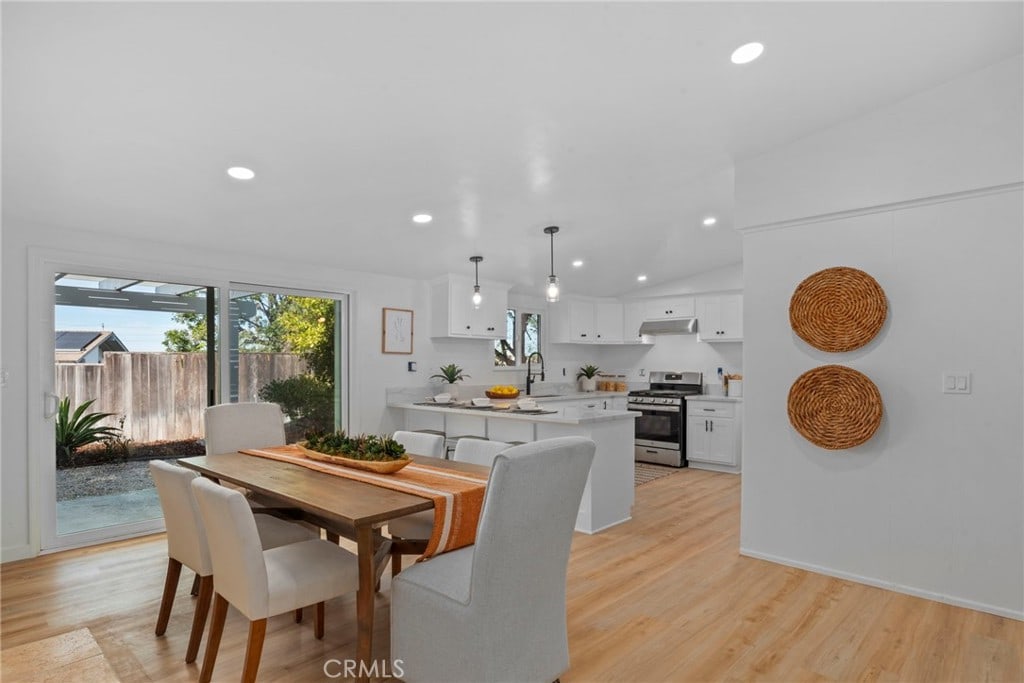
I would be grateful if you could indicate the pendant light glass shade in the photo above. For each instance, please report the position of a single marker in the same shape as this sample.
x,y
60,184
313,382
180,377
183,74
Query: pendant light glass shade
x,y
552,292
477,297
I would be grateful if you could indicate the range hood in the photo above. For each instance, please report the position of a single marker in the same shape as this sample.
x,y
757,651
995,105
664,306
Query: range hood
x,y
672,326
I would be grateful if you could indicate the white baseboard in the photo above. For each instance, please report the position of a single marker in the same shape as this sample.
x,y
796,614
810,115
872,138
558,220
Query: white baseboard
x,y
887,585
13,553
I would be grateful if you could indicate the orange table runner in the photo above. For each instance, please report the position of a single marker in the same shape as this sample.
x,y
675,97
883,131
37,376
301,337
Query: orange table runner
x,y
458,496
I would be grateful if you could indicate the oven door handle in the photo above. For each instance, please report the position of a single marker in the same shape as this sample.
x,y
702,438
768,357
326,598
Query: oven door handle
x,y
653,409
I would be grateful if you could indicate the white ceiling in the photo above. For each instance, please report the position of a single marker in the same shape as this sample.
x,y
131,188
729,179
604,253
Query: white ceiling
x,y
620,123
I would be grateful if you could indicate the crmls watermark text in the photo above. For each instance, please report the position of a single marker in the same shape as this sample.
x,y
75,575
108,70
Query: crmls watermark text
x,y
351,668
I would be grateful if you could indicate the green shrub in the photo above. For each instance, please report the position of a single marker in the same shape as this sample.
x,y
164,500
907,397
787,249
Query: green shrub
x,y
306,400
77,429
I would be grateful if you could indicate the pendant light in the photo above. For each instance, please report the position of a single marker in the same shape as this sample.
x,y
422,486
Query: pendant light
x,y
552,290
477,298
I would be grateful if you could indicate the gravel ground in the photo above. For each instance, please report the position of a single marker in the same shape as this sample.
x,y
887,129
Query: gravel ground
x,y
101,480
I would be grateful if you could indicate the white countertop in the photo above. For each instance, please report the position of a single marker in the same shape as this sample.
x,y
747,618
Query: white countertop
x,y
577,395
716,399
567,415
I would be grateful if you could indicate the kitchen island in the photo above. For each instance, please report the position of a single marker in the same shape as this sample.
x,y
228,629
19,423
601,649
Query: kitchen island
x,y
608,496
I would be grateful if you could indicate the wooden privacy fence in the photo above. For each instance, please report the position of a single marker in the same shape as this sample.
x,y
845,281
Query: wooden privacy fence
x,y
162,395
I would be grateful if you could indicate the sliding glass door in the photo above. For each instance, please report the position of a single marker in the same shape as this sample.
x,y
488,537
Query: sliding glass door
x,y
134,365
286,347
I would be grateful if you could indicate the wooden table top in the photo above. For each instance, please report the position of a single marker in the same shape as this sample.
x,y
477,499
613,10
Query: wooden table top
x,y
346,501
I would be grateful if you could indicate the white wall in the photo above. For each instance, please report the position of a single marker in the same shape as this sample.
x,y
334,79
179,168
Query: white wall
x,y
933,504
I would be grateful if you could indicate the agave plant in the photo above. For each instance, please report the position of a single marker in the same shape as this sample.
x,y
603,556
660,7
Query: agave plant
x,y
587,371
77,429
451,374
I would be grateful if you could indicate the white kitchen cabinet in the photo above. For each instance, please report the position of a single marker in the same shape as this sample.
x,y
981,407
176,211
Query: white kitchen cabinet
x,y
608,323
455,316
581,322
712,433
720,318
668,308
633,315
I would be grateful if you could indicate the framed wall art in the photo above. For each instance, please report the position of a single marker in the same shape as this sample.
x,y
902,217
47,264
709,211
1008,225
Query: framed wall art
x,y
396,335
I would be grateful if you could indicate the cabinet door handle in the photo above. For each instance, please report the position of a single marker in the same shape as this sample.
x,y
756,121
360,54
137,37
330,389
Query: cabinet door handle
x,y
712,425
705,425
708,410
584,334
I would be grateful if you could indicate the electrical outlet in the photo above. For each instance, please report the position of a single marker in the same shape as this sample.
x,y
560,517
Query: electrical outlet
x,y
956,382
412,366
643,372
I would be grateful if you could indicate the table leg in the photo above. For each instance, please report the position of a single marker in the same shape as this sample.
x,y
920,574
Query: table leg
x,y
365,600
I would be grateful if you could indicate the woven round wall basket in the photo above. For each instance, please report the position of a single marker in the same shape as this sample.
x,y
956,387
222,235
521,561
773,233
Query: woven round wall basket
x,y
838,309
835,407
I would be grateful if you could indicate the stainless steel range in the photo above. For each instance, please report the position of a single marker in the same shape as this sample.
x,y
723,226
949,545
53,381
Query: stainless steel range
x,y
661,427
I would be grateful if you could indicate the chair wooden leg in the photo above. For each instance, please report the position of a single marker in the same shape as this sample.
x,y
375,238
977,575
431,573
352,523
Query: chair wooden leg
x,y
220,614
195,585
396,564
298,616
170,587
254,649
318,629
199,618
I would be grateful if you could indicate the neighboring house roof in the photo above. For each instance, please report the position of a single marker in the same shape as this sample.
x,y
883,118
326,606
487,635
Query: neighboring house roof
x,y
72,346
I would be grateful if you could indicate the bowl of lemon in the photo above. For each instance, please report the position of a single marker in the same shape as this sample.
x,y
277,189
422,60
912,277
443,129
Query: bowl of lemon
x,y
500,391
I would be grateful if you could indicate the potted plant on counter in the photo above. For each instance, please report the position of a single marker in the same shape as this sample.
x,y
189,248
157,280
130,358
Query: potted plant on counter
x,y
449,375
587,377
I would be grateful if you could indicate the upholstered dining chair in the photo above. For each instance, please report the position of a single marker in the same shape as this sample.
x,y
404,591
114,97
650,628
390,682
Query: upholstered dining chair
x,y
263,583
501,602
230,427
187,545
421,443
414,530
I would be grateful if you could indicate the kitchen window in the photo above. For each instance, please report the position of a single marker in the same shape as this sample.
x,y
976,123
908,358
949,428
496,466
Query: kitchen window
x,y
522,338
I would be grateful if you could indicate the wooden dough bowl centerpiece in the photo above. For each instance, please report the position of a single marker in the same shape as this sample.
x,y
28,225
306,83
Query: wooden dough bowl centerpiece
x,y
372,453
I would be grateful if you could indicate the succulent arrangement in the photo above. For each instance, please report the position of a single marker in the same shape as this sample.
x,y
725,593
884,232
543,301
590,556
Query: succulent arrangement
x,y
588,371
369,447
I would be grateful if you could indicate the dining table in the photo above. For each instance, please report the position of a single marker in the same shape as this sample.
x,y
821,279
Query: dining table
x,y
345,507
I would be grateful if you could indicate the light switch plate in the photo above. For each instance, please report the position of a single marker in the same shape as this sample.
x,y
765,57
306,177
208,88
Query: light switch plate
x,y
412,366
956,382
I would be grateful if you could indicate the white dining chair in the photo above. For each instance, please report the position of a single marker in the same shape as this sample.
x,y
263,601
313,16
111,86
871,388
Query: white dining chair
x,y
263,583
230,427
415,529
187,544
420,443
501,602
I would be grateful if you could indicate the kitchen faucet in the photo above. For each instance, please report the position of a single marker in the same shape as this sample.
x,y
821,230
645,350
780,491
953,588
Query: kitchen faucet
x,y
529,370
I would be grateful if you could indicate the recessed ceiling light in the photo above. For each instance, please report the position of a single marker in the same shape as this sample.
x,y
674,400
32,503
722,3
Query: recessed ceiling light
x,y
641,278
747,53
709,222
577,263
241,173
422,218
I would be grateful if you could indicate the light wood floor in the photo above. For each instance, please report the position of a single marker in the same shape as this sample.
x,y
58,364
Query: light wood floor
x,y
664,598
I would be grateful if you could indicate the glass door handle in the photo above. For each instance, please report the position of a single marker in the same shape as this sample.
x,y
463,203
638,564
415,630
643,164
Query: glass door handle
x,y
50,403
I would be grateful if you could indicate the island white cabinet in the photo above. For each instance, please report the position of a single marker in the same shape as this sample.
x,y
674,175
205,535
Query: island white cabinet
x,y
455,316
720,318
713,433
671,307
582,322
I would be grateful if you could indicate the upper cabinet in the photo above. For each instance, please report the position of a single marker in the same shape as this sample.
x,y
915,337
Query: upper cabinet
x,y
672,307
454,315
720,318
580,322
634,314
608,323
